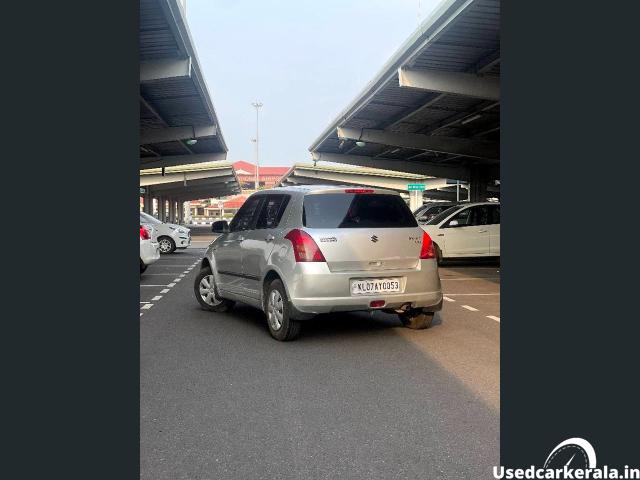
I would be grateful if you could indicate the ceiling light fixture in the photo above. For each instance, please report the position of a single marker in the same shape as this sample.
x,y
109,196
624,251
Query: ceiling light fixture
x,y
193,140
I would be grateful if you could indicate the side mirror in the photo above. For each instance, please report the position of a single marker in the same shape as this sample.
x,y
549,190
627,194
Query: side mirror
x,y
454,223
221,226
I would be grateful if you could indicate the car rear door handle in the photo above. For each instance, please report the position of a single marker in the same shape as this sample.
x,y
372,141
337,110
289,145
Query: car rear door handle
x,y
270,238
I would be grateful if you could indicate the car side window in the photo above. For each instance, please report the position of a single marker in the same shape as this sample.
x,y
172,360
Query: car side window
x,y
480,215
272,211
243,220
464,219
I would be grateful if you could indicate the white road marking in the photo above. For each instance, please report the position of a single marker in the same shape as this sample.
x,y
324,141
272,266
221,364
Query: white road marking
x,y
448,299
166,290
171,285
470,308
147,306
145,302
141,313
497,319
145,285
177,266
177,279
159,273
156,298
181,275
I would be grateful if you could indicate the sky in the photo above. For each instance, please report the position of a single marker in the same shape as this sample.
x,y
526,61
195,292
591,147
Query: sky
x,y
305,60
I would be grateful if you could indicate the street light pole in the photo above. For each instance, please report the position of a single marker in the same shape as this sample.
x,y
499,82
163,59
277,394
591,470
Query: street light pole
x,y
257,106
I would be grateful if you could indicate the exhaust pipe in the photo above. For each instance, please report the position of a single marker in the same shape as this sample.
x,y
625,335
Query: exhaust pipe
x,y
404,308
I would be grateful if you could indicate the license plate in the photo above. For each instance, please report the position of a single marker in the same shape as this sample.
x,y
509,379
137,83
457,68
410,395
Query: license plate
x,y
375,286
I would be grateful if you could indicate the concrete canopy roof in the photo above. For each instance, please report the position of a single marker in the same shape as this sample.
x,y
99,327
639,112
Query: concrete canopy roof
x,y
191,182
434,108
306,174
175,105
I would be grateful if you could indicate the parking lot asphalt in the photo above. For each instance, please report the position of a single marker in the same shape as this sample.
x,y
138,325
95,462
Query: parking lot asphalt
x,y
357,396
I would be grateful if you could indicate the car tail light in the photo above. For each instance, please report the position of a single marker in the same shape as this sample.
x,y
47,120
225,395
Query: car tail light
x,y
376,303
144,233
427,251
304,247
358,190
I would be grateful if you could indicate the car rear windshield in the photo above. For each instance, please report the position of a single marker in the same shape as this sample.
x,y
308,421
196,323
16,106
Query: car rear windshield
x,y
442,215
362,210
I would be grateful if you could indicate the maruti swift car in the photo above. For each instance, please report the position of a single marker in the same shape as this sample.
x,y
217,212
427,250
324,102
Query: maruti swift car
x,y
296,252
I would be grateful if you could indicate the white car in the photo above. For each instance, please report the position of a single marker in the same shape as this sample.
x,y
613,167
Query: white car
x,y
467,230
149,248
170,236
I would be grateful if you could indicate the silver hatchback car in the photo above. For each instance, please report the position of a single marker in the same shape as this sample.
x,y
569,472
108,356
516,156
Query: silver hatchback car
x,y
295,252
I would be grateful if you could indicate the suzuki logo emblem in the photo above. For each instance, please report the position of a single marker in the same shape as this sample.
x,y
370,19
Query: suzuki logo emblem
x,y
374,239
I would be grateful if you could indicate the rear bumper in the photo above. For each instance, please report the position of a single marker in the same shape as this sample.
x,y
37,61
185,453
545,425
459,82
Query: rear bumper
x,y
149,252
315,289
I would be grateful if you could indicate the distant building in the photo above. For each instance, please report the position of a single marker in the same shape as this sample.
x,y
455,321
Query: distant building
x,y
208,210
268,176
212,209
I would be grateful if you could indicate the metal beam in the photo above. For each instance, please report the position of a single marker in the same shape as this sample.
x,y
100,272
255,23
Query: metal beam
x,y
154,70
211,191
452,145
173,160
188,178
467,84
172,134
421,168
312,176
444,195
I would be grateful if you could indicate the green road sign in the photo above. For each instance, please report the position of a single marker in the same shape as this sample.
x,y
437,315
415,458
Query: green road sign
x,y
415,186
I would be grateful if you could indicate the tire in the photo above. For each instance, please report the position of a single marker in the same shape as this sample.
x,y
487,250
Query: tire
x,y
206,293
416,319
281,326
166,244
143,267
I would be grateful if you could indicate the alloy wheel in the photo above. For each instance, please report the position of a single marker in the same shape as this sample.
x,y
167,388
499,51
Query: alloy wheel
x,y
275,310
207,291
165,245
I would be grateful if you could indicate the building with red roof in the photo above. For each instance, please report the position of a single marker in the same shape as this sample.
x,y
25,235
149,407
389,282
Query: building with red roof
x,y
268,176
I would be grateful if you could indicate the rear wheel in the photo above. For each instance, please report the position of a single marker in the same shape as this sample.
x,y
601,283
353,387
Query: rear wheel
x,y
281,326
206,293
166,244
416,319
143,267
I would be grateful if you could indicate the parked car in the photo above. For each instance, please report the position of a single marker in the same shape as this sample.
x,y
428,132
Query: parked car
x,y
430,210
149,248
467,230
295,252
170,236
